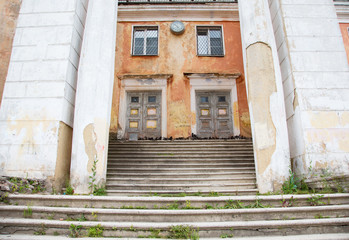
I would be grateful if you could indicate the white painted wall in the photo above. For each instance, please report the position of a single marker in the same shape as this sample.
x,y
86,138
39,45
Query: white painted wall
x,y
94,95
315,79
40,87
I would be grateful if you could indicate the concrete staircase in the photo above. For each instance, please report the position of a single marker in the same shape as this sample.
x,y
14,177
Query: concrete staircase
x,y
219,173
210,217
174,167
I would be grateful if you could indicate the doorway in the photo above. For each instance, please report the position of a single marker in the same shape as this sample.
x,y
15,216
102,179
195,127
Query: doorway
x,y
214,118
143,115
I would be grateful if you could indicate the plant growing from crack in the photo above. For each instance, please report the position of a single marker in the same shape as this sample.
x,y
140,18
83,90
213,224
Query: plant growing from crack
x,y
28,213
96,231
75,230
95,189
183,232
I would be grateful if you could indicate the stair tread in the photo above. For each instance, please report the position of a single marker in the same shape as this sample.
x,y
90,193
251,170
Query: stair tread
x,y
167,225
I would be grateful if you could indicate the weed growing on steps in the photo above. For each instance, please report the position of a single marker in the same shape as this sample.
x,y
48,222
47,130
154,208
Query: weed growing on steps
x,y
288,203
183,232
230,204
132,207
173,206
28,213
4,198
82,218
95,216
293,184
95,189
314,200
96,231
188,205
41,231
227,235
319,216
55,233
75,231
69,190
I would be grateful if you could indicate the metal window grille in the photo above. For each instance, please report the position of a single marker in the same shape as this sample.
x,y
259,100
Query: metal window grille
x,y
210,41
145,41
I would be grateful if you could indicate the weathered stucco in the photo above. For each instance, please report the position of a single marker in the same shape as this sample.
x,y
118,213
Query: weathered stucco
x,y
261,85
177,55
345,33
62,169
8,19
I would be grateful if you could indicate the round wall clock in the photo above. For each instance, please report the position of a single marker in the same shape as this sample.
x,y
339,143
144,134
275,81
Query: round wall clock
x,y
177,27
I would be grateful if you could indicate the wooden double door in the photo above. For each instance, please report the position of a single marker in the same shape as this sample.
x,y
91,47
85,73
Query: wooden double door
x,y
214,114
143,115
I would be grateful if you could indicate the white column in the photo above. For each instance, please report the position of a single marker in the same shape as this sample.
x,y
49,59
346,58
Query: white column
x,y
94,94
265,95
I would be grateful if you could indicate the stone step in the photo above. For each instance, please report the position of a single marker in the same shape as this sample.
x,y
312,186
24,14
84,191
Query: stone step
x,y
125,192
182,142
184,147
183,187
180,214
178,165
178,161
176,170
209,175
150,202
180,155
204,229
328,236
119,180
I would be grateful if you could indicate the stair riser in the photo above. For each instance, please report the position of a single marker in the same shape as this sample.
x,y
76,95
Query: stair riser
x,y
178,181
174,170
175,216
187,166
189,175
175,150
154,189
128,232
231,192
198,202
177,161
185,156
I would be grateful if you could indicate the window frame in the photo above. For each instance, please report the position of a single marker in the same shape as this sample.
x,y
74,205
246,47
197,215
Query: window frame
x,y
208,27
146,27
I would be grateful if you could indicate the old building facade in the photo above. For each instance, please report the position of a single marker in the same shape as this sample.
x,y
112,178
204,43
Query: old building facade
x,y
75,73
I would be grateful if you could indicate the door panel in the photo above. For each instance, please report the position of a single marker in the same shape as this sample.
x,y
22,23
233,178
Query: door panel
x,y
151,114
214,114
143,115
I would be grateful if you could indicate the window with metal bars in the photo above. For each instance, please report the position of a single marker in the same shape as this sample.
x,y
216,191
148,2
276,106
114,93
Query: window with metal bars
x,y
145,41
209,41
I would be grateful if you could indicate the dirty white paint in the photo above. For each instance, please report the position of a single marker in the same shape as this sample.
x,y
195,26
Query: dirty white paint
x,y
40,86
181,12
94,95
211,82
256,27
315,75
139,84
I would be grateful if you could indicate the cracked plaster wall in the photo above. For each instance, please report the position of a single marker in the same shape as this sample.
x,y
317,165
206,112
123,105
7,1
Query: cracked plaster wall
x,y
36,115
315,75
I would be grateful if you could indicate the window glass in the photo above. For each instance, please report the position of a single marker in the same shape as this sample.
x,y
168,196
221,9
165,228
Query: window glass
x,y
135,99
221,98
152,99
145,41
204,99
209,41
